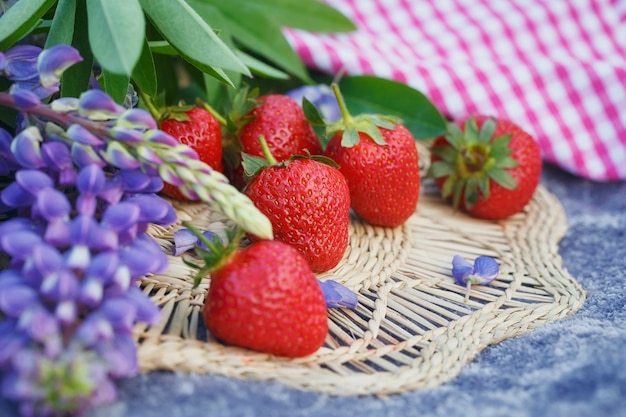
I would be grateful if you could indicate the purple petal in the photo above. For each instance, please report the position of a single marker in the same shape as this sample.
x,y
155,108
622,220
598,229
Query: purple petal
x,y
34,87
19,244
60,285
134,180
112,192
26,148
52,62
94,329
11,341
38,323
90,293
184,240
102,266
120,216
461,269
125,134
486,268
119,156
121,356
22,62
84,230
84,155
143,256
4,62
66,312
120,312
98,105
15,299
25,99
152,207
91,179
77,257
33,180
158,136
147,311
16,196
52,204
46,259
58,233
337,295
81,135
146,154
58,157
137,119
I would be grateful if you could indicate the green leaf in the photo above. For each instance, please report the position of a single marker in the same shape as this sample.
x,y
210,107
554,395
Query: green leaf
x,y
259,67
115,85
447,153
503,178
62,29
312,114
350,137
144,73
75,79
486,130
255,31
20,19
308,15
372,131
440,169
252,164
368,94
197,43
116,33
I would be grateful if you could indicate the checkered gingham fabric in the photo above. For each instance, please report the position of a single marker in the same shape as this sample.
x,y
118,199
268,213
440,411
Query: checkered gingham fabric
x,y
557,68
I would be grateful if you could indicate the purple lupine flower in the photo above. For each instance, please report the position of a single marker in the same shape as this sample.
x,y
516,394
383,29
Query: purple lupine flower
x,y
21,62
53,61
58,158
81,135
185,239
337,295
322,97
118,156
89,182
8,164
484,270
25,99
26,148
98,105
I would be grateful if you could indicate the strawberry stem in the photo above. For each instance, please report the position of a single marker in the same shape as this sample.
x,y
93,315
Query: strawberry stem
x,y
222,121
347,118
147,100
266,151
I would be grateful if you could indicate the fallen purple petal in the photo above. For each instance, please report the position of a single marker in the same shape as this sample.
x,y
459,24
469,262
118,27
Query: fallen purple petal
x,y
337,295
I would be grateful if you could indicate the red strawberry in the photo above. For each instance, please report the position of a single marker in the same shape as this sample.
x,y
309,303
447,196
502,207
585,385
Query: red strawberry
x,y
378,156
266,298
489,168
199,129
282,122
308,203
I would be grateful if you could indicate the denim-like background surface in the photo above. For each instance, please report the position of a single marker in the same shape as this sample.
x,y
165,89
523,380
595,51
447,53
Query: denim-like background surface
x,y
572,367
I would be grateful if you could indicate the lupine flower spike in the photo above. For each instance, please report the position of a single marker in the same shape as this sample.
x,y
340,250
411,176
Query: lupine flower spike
x,y
484,270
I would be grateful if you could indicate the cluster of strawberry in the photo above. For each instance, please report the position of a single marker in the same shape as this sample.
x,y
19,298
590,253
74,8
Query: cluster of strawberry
x,y
266,296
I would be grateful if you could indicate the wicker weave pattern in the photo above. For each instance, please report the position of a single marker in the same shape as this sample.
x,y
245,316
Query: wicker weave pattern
x,y
412,328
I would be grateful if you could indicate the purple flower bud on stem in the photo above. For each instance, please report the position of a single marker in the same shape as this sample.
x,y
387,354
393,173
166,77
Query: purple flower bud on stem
x,y
26,148
81,135
97,105
25,99
52,62
136,119
484,270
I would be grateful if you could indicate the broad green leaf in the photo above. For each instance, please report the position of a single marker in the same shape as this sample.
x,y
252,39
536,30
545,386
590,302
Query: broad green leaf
x,y
116,33
20,19
75,79
261,68
162,47
309,15
144,73
62,29
312,113
256,32
368,94
197,43
115,85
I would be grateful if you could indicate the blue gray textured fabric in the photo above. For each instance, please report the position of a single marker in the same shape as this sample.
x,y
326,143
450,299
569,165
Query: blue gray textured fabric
x,y
574,367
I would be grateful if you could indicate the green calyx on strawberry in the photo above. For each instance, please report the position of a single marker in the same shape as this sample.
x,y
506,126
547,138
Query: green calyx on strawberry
x,y
378,157
307,200
278,118
488,167
263,297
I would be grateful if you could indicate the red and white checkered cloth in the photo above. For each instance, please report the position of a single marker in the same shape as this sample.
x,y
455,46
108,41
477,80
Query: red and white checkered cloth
x,y
556,68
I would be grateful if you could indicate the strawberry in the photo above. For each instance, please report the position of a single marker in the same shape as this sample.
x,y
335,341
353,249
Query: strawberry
x,y
489,167
378,156
263,297
307,200
281,120
199,129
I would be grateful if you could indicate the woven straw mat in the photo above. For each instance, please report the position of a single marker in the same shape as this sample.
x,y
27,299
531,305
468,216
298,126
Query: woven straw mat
x,y
412,327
